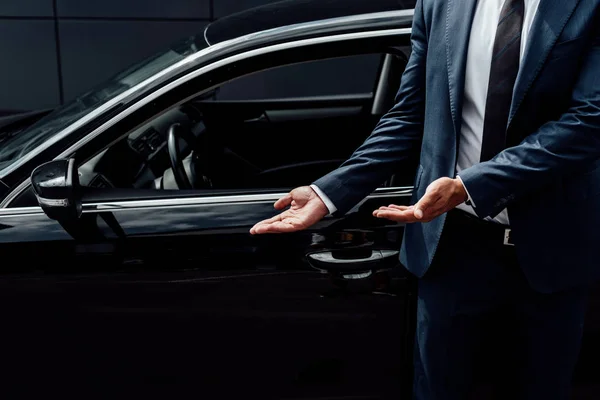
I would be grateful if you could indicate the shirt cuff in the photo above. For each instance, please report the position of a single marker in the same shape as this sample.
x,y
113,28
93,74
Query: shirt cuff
x,y
469,201
330,206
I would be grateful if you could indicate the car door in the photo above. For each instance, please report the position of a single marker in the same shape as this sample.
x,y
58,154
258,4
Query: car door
x,y
323,313
209,310
172,297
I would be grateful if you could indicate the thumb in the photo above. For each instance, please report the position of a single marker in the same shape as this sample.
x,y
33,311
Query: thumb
x,y
423,205
283,202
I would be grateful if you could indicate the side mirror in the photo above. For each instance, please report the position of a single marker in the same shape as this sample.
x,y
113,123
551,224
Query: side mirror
x,y
56,186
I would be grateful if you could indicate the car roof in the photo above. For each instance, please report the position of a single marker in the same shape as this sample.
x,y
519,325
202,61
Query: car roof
x,y
291,12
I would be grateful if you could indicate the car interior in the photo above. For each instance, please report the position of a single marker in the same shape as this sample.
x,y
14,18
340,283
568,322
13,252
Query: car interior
x,y
210,145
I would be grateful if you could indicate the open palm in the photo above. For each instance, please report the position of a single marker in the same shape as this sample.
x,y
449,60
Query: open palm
x,y
306,209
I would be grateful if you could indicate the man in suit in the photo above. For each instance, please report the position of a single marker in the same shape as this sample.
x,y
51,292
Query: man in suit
x,y
502,99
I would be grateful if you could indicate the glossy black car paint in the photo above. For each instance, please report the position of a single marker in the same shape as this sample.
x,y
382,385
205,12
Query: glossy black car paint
x,y
187,302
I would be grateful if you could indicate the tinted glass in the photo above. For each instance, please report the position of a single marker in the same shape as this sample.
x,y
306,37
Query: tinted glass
x,y
340,76
326,102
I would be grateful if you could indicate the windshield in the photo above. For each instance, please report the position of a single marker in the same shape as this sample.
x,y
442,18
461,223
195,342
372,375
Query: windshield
x,y
15,146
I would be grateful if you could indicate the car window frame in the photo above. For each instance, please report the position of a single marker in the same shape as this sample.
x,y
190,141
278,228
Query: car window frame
x,y
396,37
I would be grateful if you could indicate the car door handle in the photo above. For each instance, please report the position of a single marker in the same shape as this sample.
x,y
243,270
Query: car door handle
x,y
327,260
328,257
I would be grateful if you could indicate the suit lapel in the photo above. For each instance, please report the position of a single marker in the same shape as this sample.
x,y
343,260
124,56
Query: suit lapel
x,y
551,18
459,19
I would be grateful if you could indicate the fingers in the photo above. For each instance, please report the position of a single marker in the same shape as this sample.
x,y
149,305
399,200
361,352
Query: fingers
x,y
401,208
273,227
396,213
406,216
431,206
262,226
283,202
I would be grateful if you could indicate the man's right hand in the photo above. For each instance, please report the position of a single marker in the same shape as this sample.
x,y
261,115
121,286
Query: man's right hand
x,y
306,209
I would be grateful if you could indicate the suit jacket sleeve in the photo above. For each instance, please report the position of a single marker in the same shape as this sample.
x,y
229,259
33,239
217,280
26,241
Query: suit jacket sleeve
x,y
557,148
395,138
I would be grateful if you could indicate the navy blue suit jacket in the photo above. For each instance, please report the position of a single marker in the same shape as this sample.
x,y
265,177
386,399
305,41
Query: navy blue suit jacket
x,y
548,177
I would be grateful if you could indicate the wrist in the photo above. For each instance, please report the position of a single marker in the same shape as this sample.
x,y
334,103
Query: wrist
x,y
460,190
322,197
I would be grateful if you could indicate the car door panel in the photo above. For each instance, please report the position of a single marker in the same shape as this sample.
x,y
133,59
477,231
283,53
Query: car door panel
x,y
279,116
294,175
32,239
42,278
200,303
160,297
331,128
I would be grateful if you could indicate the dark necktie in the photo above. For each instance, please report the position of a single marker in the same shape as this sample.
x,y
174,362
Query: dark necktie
x,y
503,74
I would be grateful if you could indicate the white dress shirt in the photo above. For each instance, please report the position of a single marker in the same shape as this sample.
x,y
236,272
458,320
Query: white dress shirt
x,y
478,67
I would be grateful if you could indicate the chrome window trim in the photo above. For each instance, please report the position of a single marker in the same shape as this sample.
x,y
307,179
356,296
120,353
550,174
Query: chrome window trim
x,y
193,57
193,74
21,212
131,205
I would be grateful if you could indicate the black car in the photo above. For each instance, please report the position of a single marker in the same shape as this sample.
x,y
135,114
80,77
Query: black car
x,y
127,265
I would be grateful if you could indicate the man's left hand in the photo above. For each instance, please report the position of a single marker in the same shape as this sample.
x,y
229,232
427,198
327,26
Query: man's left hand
x,y
440,197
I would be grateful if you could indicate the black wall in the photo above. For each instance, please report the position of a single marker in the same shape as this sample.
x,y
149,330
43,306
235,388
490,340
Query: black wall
x,y
52,50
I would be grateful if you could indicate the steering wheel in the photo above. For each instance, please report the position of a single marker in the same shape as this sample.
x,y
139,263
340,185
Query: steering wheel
x,y
176,132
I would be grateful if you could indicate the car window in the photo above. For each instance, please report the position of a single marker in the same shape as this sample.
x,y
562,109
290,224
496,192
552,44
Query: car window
x,y
339,76
266,131
319,111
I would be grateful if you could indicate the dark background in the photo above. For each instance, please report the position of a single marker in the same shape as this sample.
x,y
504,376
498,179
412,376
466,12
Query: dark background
x,y
52,50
